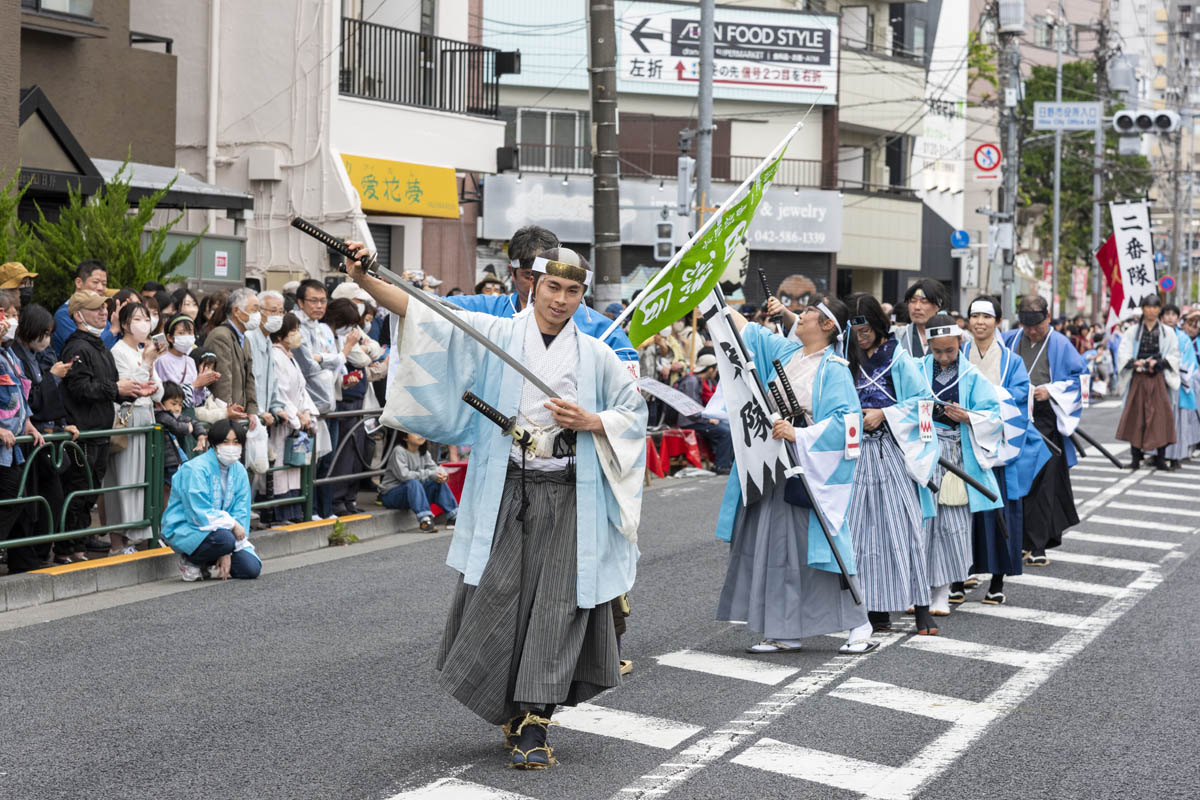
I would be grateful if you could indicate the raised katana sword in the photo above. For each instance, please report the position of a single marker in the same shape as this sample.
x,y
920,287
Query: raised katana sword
x,y
373,268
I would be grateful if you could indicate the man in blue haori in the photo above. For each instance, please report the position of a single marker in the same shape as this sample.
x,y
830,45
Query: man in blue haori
x,y
546,534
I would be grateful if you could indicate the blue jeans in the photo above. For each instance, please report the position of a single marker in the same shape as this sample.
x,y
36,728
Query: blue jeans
x,y
417,496
243,564
719,438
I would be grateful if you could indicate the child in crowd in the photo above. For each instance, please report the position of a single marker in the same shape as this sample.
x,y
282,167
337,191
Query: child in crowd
x,y
176,429
413,481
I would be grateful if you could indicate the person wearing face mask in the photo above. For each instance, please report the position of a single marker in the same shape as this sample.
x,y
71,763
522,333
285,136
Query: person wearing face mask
x,y
235,363
342,317
208,515
91,392
134,355
1054,368
13,275
266,381
33,333
177,366
298,413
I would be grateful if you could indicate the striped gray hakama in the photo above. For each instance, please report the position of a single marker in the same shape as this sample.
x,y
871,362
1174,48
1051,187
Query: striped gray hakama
x,y
1187,432
885,521
948,535
769,584
517,642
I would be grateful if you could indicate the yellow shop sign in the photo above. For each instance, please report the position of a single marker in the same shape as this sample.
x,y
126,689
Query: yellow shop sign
x,y
397,187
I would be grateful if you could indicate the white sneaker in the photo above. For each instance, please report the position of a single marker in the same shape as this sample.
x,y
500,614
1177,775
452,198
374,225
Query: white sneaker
x,y
189,571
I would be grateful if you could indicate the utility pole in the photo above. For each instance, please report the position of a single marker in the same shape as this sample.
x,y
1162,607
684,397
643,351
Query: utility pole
x,y
1060,30
1098,149
1011,18
606,214
704,132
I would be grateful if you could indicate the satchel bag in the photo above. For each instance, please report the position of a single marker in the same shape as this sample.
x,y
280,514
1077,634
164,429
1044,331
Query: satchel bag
x,y
120,420
297,449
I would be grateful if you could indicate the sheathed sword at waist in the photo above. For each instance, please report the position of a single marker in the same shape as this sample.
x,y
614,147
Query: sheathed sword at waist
x,y
508,425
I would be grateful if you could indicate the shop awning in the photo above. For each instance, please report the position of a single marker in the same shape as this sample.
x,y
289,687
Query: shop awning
x,y
145,179
398,187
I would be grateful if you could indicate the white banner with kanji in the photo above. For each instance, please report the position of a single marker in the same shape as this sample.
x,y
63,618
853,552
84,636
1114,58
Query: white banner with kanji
x,y
1135,253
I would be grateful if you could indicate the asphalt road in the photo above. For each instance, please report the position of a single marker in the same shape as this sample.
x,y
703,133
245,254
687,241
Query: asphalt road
x,y
316,680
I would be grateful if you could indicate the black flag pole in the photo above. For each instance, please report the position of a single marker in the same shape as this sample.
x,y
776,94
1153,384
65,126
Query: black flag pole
x,y
847,579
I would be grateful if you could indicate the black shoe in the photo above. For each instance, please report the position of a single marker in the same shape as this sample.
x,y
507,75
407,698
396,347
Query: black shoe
x,y
340,511
531,750
352,508
925,624
881,621
1160,463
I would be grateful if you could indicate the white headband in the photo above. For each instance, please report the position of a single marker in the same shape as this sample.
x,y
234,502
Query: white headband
x,y
515,263
562,269
824,309
945,330
983,307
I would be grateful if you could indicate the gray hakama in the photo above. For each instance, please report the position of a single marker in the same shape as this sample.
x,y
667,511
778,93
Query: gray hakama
x,y
518,642
889,534
948,540
1187,432
769,584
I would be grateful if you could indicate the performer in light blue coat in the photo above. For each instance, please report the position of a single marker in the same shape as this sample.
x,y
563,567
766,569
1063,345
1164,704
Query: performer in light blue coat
x,y
887,518
1187,421
997,542
783,580
546,534
967,420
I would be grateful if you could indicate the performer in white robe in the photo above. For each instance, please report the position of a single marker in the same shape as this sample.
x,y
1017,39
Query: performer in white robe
x,y
543,540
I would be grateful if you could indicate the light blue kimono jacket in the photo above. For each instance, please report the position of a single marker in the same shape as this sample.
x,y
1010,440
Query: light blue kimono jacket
x,y
833,396
1020,471
1066,365
975,393
202,503
438,363
1187,370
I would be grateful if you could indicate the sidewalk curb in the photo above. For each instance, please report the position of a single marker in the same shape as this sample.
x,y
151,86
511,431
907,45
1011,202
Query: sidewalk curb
x,y
88,577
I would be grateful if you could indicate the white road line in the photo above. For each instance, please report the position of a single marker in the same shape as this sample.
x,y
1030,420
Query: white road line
x,y
1141,524
1093,479
911,701
742,669
454,789
1106,404
664,734
1064,585
1161,508
1103,561
1099,538
698,755
1105,468
1084,489
842,772
1166,485
943,645
931,762
1174,497
1175,477
1023,614
1113,447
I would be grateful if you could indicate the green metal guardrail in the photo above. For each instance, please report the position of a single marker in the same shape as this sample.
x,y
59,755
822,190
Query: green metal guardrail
x,y
60,444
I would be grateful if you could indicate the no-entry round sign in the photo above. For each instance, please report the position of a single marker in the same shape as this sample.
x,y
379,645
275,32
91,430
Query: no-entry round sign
x,y
1166,283
987,157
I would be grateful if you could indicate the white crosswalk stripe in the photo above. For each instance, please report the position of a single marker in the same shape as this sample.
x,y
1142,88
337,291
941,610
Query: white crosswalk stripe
x,y
1085,489
455,789
830,769
1064,585
1150,495
1165,485
1106,467
1099,538
1094,479
1023,614
1158,509
980,652
1103,561
911,701
742,669
664,734
1139,524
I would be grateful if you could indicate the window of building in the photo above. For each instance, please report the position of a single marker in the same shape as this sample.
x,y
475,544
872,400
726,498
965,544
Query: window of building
x,y
858,27
76,8
987,31
553,140
1043,31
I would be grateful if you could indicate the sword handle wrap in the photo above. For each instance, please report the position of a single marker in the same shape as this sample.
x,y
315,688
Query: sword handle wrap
x,y
766,287
332,242
480,405
787,385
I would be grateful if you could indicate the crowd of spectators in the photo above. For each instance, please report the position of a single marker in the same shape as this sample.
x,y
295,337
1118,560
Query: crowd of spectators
x,y
220,372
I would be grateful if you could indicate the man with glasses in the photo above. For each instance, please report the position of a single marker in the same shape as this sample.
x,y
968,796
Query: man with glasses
x,y
322,363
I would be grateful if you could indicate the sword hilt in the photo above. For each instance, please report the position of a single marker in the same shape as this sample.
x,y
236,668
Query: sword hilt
x,y
787,385
335,244
766,287
507,424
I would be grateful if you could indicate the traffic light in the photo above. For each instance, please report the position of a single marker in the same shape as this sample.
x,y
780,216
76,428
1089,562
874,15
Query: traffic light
x,y
1139,121
664,240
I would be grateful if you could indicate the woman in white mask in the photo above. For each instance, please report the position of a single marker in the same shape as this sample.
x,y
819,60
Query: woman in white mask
x,y
134,355
176,365
213,487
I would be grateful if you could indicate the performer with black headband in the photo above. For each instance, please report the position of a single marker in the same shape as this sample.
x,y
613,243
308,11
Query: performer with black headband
x,y
546,533
968,423
1148,368
1183,400
1054,367
996,543
924,299
888,513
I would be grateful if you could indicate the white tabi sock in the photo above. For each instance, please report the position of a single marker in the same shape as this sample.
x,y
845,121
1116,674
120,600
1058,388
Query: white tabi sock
x,y
859,636
940,598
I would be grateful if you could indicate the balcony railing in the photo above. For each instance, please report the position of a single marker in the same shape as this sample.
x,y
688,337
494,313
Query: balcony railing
x,y
568,159
411,69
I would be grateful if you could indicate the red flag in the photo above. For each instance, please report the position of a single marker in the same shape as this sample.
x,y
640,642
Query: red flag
x,y
1106,256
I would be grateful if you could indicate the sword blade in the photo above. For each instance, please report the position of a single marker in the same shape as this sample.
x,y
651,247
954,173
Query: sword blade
x,y
377,270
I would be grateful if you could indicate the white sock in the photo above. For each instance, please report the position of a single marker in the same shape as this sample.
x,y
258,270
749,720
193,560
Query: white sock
x,y
789,642
860,633
940,597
